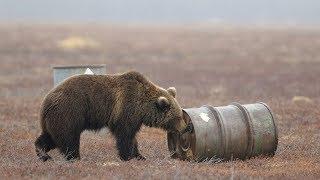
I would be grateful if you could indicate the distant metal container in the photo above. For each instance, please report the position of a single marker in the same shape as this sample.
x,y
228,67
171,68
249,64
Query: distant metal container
x,y
60,73
234,131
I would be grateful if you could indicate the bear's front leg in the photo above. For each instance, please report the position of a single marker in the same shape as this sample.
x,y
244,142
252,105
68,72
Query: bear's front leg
x,y
135,150
124,146
128,148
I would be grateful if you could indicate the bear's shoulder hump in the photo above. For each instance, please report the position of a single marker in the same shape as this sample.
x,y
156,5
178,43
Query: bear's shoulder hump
x,y
134,75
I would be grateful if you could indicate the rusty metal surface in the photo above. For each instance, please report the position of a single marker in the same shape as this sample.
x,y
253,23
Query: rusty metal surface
x,y
207,132
234,131
264,129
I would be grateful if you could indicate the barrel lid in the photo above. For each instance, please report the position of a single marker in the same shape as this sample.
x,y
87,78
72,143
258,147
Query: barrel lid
x,y
274,125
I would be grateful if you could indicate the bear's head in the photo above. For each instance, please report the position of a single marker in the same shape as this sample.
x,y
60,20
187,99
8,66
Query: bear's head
x,y
153,105
163,111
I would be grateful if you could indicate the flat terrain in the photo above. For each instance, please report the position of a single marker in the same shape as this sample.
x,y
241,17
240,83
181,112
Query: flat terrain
x,y
207,65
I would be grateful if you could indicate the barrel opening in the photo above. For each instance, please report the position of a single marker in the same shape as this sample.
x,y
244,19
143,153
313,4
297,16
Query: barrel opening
x,y
181,146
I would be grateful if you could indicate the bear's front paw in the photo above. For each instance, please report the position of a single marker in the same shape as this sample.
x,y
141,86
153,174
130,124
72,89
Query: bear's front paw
x,y
140,157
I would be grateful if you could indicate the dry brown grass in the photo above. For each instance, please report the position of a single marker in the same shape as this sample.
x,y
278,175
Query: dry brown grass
x,y
208,65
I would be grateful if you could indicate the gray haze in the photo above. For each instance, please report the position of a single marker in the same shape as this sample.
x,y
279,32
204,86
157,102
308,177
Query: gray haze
x,y
163,11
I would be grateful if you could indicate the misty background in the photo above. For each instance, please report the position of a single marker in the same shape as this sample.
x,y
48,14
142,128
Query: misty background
x,y
163,11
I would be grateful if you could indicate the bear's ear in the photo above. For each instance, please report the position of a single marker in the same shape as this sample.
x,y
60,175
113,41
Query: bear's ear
x,y
172,91
163,103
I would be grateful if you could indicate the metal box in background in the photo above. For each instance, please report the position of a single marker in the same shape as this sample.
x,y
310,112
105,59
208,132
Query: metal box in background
x,y
60,73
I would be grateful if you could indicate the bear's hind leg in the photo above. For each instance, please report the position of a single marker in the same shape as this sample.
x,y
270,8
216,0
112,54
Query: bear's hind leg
x,y
44,144
69,147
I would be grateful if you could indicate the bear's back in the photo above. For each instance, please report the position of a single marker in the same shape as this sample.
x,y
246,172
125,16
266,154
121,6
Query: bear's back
x,y
84,81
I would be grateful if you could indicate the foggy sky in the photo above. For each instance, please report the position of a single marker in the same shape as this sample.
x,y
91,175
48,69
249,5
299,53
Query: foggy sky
x,y
167,11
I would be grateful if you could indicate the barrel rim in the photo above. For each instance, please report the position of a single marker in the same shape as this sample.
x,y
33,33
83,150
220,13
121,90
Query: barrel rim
x,y
194,149
274,125
194,139
78,66
172,144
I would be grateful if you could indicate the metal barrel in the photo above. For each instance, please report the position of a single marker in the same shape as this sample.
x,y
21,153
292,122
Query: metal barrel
x,y
229,132
60,73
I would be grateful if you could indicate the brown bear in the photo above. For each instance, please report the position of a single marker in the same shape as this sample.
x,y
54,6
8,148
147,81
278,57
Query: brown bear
x,y
121,102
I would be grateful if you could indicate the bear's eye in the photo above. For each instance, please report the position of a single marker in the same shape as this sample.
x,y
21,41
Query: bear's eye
x,y
163,103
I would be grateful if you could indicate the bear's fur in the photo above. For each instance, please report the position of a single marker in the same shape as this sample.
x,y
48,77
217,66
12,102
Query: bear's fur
x,y
120,102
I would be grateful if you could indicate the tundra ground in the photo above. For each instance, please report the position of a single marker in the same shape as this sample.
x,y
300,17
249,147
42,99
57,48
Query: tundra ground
x,y
207,65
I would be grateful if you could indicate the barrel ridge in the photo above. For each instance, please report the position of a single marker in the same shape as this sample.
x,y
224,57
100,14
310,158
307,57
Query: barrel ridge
x,y
222,132
250,129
